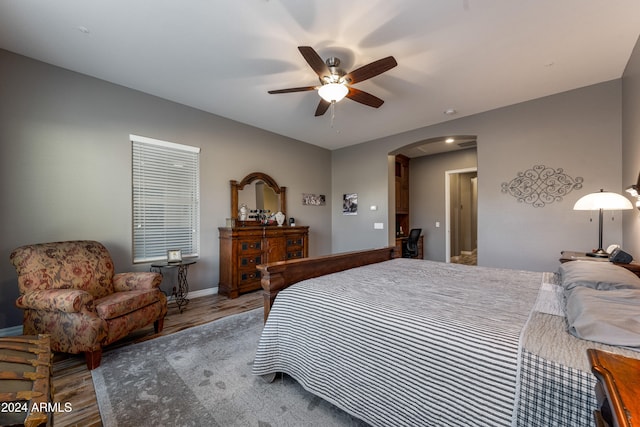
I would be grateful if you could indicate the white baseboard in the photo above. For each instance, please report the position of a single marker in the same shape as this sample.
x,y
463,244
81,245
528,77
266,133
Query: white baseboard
x,y
17,330
203,292
198,294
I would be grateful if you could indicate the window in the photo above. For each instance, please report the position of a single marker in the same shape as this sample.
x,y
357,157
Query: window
x,y
166,199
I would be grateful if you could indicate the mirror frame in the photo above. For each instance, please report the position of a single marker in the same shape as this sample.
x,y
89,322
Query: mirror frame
x,y
257,176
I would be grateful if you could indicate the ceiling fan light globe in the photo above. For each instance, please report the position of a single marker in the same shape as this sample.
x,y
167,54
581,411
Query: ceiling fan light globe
x,y
333,92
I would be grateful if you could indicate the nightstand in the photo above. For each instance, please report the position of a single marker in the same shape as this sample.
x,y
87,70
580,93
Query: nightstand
x,y
617,389
567,256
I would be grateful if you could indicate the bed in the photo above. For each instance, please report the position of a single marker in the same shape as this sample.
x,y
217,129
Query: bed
x,y
400,342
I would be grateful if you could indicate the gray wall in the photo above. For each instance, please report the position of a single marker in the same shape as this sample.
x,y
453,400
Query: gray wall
x,y
579,131
65,160
362,169
631,146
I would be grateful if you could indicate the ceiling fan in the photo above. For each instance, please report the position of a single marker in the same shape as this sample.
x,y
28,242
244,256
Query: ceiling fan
x,y
335,83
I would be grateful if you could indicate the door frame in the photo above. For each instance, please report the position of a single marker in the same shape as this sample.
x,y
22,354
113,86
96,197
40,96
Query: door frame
x,y
447,206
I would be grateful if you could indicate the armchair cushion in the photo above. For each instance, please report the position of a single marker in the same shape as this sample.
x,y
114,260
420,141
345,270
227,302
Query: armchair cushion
x,y
121,303
83,264
67,300
73,332
137,280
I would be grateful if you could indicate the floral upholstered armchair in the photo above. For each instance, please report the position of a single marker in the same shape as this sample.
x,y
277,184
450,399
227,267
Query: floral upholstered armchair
x,y
69,290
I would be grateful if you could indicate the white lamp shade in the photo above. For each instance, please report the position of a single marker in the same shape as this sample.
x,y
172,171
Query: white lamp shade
x,y
333,92
604,200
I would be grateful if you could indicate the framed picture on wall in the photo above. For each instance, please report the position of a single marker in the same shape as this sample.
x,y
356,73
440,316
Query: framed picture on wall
x,y
313,199
350,204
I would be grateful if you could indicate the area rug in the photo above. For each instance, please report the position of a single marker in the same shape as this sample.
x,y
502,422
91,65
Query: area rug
x,y
202,377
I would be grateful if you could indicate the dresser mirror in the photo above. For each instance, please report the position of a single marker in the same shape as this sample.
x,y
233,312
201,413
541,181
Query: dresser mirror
x,y
259,195
257,191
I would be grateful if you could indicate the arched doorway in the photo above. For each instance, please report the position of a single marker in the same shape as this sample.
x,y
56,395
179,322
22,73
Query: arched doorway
x,y
430,199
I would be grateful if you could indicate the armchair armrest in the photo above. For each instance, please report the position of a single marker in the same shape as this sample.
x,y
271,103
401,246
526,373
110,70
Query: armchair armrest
x,y
136,280
67,300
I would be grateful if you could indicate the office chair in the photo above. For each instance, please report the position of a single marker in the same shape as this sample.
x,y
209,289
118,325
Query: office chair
x,y
410,248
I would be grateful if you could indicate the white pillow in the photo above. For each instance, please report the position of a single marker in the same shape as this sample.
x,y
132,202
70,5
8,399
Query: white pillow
x,y
601,275
610,317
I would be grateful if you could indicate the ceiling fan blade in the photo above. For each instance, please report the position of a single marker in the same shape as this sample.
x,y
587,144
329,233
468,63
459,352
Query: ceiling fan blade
x,y
371,70
293,89
314,60
364,98
323,106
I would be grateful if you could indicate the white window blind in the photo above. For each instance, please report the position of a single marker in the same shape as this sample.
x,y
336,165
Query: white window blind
x,y
166,199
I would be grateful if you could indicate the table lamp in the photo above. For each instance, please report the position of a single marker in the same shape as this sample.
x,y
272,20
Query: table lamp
x,y
602,201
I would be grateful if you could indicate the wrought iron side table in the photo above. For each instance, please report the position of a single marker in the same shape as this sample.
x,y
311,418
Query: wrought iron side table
x,y
181,289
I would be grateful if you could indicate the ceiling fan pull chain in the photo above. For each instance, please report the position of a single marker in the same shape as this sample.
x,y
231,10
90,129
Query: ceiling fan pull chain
x,y
333,112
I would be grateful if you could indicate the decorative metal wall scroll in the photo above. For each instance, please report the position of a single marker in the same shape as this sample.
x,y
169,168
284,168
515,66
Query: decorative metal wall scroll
x,y
541,185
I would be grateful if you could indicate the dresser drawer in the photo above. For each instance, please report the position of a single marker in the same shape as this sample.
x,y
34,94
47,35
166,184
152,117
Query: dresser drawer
x,y
249,261
248,275
295,242
295,254
295,247
248,279
247,246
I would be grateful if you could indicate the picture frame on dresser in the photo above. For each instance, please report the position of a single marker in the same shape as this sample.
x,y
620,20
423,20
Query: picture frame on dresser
x,y
174,256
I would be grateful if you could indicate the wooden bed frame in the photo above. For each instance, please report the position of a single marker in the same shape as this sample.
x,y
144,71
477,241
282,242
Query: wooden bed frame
x,y
277,276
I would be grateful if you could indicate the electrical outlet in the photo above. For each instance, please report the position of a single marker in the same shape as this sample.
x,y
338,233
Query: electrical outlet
x,y
378,226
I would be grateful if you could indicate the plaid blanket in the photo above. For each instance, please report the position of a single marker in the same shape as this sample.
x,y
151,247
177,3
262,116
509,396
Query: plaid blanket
x,y
555,383
552,394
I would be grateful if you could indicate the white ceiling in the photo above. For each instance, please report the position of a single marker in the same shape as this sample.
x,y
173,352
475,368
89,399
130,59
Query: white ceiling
x,y
222,56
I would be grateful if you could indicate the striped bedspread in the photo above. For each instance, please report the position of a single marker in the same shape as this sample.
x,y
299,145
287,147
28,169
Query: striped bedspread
x,y
405,342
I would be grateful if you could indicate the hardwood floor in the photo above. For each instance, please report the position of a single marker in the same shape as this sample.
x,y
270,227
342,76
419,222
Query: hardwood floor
x,y
72,380
466,257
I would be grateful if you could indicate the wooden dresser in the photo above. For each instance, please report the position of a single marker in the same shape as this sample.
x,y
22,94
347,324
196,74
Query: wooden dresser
x,y
617,390
243,248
